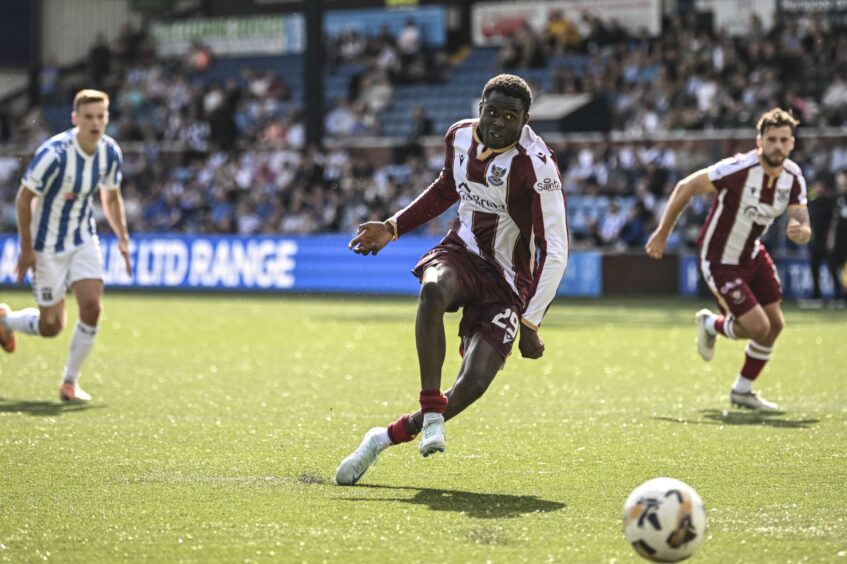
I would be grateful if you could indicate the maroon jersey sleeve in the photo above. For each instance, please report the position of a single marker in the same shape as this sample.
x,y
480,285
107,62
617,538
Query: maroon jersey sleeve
x,y
798,192
436,199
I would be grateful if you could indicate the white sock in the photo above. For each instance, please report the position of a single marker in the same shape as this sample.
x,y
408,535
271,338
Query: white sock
x,y
432,417
742,385
710,324
729,328
81,344
383,440
24,321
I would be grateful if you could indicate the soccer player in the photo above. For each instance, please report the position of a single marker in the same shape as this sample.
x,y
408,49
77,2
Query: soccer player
x,y
58,242
753,189
502,262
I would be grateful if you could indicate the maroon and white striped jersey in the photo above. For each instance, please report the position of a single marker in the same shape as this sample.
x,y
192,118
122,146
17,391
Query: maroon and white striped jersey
x,y
511,211
746,203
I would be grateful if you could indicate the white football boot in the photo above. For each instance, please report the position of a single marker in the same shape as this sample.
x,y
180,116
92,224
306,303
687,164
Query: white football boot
x,y
432,435
751,400
705,340
354,466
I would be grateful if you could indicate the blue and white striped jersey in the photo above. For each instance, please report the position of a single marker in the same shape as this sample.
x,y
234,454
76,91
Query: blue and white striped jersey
x,y
64,177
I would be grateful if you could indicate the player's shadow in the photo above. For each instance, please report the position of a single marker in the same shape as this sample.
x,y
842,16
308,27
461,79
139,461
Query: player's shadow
x,y
43,408
768,418
472,504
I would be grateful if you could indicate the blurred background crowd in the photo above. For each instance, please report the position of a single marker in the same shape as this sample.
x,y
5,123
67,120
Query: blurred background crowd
x,y
216,145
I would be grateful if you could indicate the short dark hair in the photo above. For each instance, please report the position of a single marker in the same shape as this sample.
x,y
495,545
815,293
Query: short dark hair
x,y
776,117
509,85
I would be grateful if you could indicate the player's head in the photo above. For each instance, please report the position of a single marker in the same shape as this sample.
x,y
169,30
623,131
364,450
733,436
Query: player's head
x,y
503,110
775,140
91,114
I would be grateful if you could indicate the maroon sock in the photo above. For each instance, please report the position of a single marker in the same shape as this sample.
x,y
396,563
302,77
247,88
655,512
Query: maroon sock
x,y
433,401
755,358
724,326
399,432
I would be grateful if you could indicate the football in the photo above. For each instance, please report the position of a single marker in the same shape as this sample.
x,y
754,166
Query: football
x,y
664,520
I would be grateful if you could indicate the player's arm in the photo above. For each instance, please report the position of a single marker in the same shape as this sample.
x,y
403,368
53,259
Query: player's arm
x,y
799,230
550,230
23,208
113,207
373,236
685,189
113,203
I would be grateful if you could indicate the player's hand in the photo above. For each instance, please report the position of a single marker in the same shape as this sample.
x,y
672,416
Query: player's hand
x,y
123,247
530,344
798,232
371,238
655,246
26,262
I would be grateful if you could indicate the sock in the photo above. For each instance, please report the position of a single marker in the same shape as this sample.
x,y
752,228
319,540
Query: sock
x,y
81,344
430,416
24,321
413,426
399,431
433,401
755,357
724,326
383,440
742,385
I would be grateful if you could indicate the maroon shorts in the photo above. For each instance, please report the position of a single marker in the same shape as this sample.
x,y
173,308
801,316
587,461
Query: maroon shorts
x,y
489,304
739,288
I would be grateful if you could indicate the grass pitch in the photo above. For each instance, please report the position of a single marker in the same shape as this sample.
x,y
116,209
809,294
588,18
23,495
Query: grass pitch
x,y
218,422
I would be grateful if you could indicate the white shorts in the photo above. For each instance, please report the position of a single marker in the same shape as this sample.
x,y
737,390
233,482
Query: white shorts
x,y
56,272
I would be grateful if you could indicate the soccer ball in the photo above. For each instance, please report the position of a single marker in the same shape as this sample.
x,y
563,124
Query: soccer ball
x,y
664,520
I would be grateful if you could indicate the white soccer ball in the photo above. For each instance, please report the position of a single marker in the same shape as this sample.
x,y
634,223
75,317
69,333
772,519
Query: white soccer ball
x,y
664,520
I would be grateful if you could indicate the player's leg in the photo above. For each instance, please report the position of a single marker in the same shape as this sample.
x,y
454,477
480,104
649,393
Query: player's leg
x,y
88,296
724,283
86,280
761,325
48,320
440,290
480,365
817,257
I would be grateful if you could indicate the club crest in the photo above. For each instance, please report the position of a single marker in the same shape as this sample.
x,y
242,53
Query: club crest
x,y
495,178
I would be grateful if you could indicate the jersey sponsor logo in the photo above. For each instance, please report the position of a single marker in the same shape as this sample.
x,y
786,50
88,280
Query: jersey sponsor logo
x,y
497,174
461,159
754,190
548,185
782,194
756,214
466,195
541,156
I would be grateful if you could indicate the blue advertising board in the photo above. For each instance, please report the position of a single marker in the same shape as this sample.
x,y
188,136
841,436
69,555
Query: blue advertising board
x,y
794,274
320,263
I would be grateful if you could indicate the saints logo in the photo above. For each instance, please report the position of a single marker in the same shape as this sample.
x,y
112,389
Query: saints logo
x,y
496,176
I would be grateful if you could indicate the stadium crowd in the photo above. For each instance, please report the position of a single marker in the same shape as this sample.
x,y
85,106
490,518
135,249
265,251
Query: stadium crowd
x,y
243,166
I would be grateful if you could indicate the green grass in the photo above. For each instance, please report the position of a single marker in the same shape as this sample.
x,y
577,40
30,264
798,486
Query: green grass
x,y
218,422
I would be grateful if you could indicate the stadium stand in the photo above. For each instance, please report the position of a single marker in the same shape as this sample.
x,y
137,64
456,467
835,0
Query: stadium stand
x,y
220,144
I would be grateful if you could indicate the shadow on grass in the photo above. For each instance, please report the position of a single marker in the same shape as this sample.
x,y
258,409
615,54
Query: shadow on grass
x,y
44,408
472,504
767,418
